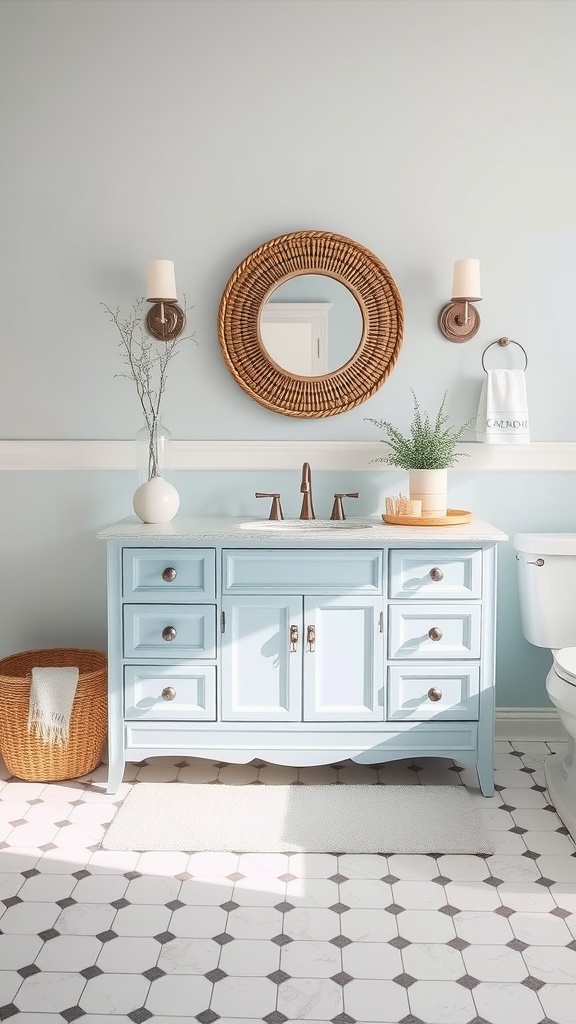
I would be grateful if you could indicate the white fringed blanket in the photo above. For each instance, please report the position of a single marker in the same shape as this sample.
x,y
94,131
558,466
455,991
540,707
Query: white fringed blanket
x,y
52,693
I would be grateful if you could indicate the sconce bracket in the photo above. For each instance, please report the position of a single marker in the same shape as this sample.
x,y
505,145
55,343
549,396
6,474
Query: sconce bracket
x,y
172,325
452,324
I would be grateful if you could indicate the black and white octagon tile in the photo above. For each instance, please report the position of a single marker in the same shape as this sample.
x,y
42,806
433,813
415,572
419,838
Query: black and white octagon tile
x,y
94,936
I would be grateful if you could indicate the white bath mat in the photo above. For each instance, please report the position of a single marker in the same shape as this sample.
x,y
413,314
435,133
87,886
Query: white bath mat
x,y
310,819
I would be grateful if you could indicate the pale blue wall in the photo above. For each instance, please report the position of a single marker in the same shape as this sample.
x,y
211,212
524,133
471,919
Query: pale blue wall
x,y
426,130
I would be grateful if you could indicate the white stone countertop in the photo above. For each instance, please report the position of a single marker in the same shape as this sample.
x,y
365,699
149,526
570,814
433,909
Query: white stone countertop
x,y
353,532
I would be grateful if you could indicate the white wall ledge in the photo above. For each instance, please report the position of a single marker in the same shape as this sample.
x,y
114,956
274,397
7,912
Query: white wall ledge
x,y
544,456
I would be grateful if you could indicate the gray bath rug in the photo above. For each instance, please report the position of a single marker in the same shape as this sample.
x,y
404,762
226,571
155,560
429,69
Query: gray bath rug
x,y
309,819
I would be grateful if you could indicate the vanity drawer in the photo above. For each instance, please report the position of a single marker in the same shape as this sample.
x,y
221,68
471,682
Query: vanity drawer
x,y
302,572
421,692
411,629
427,575
177,631
170,692
169,574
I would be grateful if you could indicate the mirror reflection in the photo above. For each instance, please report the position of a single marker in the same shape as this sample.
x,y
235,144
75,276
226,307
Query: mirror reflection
x,y
311,325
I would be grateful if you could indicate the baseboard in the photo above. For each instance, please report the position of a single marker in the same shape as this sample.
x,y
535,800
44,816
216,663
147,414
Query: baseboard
x,y
529,724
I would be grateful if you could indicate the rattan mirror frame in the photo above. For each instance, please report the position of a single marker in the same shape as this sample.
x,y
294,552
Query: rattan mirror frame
x,y
310,252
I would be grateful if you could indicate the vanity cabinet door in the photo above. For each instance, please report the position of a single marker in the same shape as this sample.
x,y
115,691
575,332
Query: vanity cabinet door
x,y
261,667
287,659
343,652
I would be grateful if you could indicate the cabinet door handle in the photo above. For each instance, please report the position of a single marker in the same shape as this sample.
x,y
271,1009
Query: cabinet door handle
x,y
311,638
434,693
169,574
293,639
168,693
435,633
436,574
169,633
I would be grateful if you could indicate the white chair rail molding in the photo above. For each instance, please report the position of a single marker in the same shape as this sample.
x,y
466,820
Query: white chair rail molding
x,y
77,456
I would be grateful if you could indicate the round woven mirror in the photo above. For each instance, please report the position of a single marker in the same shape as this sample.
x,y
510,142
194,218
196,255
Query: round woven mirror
x,y
373,355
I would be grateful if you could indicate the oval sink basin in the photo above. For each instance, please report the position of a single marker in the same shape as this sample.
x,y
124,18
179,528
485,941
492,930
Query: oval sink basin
x,y
299,525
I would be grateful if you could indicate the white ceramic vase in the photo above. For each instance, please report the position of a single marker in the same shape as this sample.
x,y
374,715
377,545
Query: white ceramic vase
x,y
156,501
429,486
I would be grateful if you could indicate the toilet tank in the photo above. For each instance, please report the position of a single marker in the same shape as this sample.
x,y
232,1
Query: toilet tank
x,y
546,564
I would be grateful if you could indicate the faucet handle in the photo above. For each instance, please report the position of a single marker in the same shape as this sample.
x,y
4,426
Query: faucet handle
x,y
276,508
337,508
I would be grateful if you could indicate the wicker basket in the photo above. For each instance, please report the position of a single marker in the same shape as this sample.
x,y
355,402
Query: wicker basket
x,y
26,755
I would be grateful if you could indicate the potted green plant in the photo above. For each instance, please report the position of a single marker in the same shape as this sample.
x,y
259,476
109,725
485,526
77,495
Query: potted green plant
x,y
427,452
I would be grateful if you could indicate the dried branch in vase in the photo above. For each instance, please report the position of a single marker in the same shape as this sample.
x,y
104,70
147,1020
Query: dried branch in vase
x,y
146,361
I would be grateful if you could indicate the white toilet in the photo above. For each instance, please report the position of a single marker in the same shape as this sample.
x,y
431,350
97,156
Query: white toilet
x,y
547,584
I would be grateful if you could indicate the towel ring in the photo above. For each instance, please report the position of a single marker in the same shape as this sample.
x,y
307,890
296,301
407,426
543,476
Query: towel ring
x,y
504,342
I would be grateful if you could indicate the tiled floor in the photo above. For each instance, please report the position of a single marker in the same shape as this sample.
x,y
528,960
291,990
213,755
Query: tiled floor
x,y
97,936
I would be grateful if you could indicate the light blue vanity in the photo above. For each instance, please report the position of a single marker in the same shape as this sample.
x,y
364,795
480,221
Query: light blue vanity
x,y
301,643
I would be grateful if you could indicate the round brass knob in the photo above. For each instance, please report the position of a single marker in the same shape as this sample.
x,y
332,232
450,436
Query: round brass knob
x,y
168,693
436,574
169,633
169,574
435,633
434,693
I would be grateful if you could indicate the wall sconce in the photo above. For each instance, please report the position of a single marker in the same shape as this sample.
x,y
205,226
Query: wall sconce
x,y
459,320
165,319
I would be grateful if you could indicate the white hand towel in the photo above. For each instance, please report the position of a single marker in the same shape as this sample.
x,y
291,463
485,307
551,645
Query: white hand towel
x,y
52,693
503,409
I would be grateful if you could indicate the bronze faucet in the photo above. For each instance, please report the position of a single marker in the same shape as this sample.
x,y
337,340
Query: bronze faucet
x,y
307,510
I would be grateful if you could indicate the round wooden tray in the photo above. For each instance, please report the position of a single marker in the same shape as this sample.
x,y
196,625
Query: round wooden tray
x,y
453,517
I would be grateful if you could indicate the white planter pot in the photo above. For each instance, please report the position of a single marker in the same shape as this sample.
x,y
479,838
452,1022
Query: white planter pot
x,y
156,501
430,487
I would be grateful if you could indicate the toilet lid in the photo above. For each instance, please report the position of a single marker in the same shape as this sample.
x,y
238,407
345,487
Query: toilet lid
x,y
565,664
